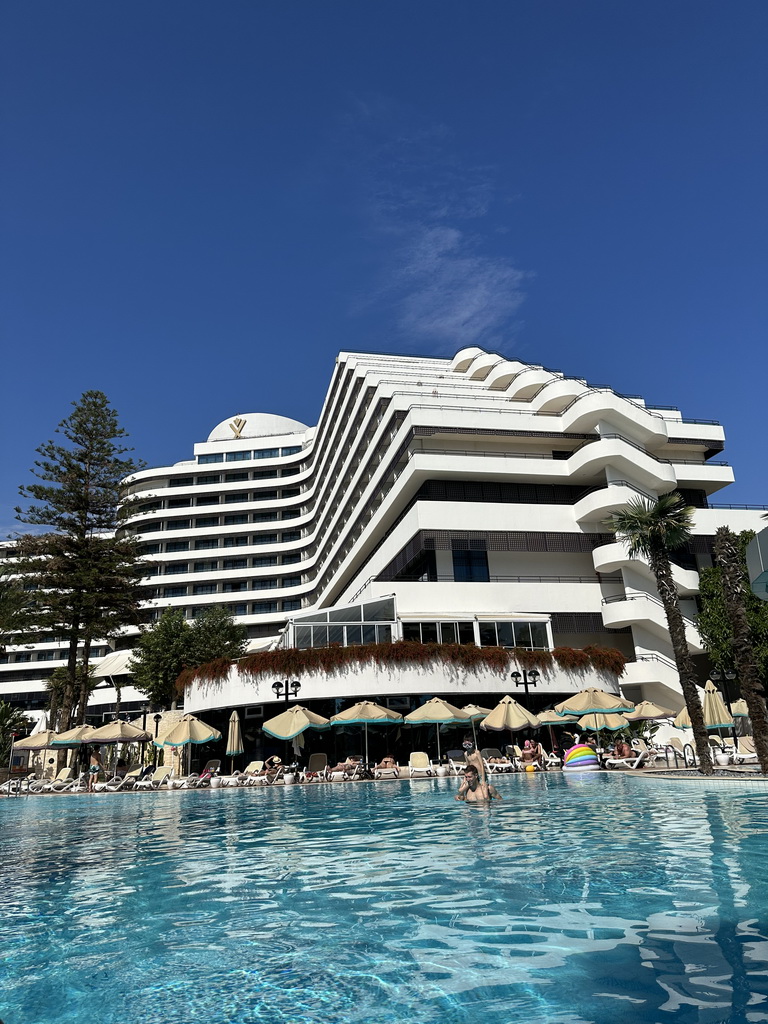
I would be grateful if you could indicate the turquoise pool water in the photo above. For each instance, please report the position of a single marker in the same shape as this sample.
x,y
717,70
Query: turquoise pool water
x,y
577,900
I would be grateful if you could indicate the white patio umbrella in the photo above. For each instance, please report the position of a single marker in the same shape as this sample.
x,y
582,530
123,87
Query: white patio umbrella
x,y
592,701
293,722
366,713
436,711
739,708
508,714
234,740
188,731
74,737
476,714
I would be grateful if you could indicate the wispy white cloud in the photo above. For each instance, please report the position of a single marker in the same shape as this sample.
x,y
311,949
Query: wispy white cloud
x,y
435,222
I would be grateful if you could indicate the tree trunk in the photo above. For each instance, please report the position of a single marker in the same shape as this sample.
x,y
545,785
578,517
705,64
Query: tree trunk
x,y
728,557
85,688
662,570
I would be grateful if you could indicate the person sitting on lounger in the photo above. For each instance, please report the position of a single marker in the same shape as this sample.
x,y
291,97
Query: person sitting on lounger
x,y
272,765
532,754
622,749
388,763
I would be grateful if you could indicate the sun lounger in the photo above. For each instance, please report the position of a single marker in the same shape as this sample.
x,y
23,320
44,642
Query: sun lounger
x,y
627,762
495,762
419,764
154,780
392,772
746,754
316,770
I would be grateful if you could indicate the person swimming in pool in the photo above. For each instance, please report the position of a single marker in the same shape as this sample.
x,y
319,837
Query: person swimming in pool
x,y
475,788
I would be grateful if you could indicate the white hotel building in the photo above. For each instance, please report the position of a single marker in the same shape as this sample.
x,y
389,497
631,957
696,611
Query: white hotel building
x,y
452,500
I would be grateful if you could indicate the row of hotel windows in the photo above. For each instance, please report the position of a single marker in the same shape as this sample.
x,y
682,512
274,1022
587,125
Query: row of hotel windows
x,y
231,478
231,498
207,522
532,635
23,657
258,562
256,608
246,456
236,587
210,543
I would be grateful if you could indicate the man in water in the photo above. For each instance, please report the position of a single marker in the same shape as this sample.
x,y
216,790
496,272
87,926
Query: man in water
x,y
475,788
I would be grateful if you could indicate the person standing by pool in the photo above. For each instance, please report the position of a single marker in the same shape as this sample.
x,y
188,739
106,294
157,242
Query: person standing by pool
x,y
475,787
94,768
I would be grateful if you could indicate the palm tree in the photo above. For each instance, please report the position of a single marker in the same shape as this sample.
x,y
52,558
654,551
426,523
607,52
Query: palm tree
x,y
653,529
12,722
729,558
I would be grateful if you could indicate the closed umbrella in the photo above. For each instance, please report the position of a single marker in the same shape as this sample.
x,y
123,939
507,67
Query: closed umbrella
x,y
436,712
476,714
366,713
188,731
234,739
716,714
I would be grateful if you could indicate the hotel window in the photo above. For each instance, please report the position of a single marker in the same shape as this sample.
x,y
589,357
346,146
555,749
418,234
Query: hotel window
x,y
21,659
176,568
264,560
236,520
267,453
289,471
291,535
174,591
46,655
150,506
180,481
439,632
264,517
236,542
207,460
264,607
231,499
207,499
238,609
204,588
266,538
470,567
291,492
265,496
291,451
206,543
292,581
514,634
206,522
205,566
211,478
149,549
178,524
177,545
238,456
179,502
235,478
264,474
266,584
291,558
235,563
150,528
235,588
291,513
292,605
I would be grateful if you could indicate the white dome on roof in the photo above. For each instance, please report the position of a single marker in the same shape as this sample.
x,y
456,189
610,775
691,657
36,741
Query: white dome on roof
x,y
254,424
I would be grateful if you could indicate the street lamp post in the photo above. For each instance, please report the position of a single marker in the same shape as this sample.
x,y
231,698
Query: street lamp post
x,y
286,690
526,678
158,720
144,710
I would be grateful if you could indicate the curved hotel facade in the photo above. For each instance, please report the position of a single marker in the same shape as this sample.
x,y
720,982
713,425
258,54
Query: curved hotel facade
x,y
437,500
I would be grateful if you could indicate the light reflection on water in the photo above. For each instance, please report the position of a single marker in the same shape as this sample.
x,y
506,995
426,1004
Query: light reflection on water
x,y
576,901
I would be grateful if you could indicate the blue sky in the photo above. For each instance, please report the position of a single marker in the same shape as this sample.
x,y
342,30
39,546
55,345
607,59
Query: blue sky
x,y
204,203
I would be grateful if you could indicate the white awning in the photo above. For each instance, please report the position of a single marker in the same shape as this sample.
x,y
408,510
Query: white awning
x,y
115,664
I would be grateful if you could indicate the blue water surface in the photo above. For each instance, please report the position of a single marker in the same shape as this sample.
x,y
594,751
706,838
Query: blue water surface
x,y
578,900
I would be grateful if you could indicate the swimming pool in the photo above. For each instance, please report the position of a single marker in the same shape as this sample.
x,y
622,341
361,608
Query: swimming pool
x,y
576,900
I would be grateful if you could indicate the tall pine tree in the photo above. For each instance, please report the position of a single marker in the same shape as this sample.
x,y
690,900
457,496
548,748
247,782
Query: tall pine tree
x,y
84,578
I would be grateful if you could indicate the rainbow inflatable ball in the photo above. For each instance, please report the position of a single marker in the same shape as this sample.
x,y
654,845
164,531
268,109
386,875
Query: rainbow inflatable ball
x,y
580,758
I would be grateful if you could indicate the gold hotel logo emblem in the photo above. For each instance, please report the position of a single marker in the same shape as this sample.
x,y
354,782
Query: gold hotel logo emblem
x,y
236,426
